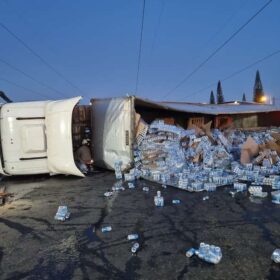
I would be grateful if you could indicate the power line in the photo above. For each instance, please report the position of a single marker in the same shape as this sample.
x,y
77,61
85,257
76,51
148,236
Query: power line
x,y
44,61
158,25
31,78
23,87
221,28
236,72
140,46
218,49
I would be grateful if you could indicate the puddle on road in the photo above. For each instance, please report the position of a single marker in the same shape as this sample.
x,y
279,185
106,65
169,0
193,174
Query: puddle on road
x,y
92,231
110,202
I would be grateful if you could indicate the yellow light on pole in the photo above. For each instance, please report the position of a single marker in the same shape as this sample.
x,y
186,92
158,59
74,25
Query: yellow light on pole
x,y
263,99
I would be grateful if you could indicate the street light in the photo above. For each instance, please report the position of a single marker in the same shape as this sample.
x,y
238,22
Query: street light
x,y
263,99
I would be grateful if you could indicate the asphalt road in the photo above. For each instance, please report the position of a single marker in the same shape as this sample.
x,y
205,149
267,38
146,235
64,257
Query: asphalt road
x,y
35,246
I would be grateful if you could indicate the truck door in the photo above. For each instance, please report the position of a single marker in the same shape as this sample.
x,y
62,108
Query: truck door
x,y
112,123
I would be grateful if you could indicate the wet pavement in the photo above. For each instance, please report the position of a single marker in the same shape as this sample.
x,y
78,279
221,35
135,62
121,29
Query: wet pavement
x,y
35,246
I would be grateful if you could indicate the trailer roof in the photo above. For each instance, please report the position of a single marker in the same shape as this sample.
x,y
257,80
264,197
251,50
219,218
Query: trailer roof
x,y
231,108
209,109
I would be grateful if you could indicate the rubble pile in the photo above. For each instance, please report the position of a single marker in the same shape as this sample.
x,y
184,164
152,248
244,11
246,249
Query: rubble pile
x,y
159,153
200,159
171,155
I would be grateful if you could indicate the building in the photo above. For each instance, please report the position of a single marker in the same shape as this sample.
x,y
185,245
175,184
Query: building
x,y
239,114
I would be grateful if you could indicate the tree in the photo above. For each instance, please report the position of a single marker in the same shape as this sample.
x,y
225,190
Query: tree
x,y
220,96
244,97
212,97
258,94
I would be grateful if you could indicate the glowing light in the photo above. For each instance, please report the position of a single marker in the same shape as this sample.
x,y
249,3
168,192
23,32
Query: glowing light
x,y
263,99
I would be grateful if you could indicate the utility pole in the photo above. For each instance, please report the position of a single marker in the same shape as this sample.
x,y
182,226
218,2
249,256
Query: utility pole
x,y
5,97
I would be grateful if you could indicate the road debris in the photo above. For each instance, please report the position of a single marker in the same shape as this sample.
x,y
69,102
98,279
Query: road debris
x,y
176,201
118,186
256,191
62,213
159,200
210,187
131,186
206,252
133,236
190,252
146,189
108,194
135,248
118,169
130,176
233,192
276,256
240,187
275,197
106,229
198,159
4,197
201,159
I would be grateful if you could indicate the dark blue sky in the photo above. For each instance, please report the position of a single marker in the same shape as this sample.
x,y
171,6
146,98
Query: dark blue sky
x,y
95,45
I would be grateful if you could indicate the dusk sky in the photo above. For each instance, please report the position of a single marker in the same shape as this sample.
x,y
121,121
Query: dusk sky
x,y
95,45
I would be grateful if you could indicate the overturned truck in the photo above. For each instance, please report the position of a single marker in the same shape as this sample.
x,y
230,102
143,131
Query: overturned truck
x,y
41,137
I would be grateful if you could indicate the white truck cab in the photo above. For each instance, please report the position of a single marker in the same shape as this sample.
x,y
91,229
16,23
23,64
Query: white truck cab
x,y
36,138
